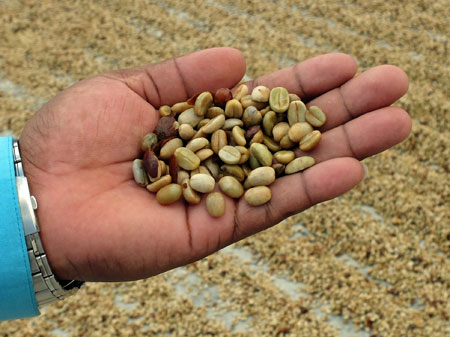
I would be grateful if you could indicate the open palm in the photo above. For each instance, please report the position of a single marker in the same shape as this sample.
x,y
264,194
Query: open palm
x,y
98,224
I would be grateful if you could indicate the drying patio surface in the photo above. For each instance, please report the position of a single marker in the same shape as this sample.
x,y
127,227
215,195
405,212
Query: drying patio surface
x,y
374,262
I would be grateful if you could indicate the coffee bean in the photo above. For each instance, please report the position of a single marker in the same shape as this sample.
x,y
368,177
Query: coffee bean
x,y
202,183
257,196
169,194
310,141
299,164
231,187
279,99
215,204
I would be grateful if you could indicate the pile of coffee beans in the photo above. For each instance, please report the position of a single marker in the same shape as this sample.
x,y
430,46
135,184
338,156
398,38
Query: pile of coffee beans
x,y
242,141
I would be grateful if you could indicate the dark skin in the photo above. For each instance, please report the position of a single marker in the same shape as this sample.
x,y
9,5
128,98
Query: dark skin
x,y
97,224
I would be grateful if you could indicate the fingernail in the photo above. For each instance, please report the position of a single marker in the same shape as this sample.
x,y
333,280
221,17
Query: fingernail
x,y
366,171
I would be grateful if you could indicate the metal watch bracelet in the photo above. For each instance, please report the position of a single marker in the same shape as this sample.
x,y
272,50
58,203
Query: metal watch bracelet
x,y
46,287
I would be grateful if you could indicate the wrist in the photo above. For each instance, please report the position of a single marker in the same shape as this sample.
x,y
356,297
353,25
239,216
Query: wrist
x,y
46,286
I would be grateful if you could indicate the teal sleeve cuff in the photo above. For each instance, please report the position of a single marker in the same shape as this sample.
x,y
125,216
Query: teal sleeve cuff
x,y
17,299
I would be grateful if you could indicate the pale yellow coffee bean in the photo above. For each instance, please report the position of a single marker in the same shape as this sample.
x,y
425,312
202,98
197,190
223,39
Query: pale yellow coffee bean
x,y
203,103
279,131
214,111
245,154
181,107
279,99
271,144
187,159
169,194
296,112
310,141
231,123
240,92
189,117
251,116
231,187
294,97
215,204
261,176
157,185
269,121
233,109
186,131
247,101
284,157
315,116
165,111
204,154
181,176
190,195
262,154
286,143
229,155
299,164
169,148
239,136
203,183
214,124
218,140
299,130
257,196
261,94
233,170
197,144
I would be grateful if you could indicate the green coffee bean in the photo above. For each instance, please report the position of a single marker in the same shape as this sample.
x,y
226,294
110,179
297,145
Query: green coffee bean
x,y
157,185
299,164
284,157
169,194
257,196
202,103
279,99
261,153
187,159
315,116
231,187
261,176
215,204
310,141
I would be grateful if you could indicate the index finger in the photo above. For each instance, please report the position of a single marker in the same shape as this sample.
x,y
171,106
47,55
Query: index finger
x,y
311,77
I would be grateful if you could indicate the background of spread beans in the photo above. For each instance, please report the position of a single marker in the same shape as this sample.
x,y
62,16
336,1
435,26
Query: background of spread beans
x,y
371,263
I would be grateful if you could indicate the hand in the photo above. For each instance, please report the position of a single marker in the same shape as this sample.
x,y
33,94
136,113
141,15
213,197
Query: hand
x,y
97,224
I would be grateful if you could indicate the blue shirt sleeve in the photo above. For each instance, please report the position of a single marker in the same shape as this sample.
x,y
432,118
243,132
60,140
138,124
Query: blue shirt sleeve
x,y
17,299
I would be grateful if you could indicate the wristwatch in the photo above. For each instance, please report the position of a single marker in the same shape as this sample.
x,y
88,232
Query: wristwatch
x,y
46,287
